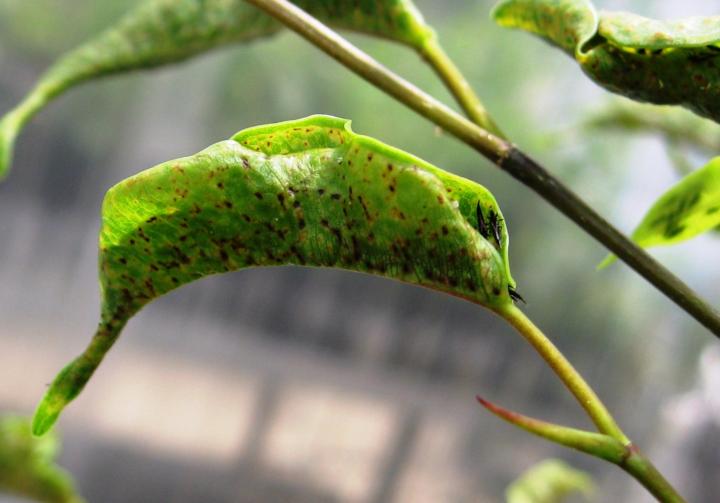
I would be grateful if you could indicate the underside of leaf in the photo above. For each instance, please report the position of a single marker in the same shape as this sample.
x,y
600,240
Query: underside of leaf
x,y
661,62
308,192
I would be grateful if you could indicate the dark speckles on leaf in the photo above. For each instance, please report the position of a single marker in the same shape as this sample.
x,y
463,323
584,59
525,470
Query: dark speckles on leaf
x,y
312,211
673,230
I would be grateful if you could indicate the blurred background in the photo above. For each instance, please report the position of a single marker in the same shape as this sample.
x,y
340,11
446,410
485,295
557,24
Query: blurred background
x,y
305,385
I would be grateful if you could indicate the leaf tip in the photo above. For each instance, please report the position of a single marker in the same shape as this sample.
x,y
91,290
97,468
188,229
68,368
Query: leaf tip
x,y
43,420
502,413
66,386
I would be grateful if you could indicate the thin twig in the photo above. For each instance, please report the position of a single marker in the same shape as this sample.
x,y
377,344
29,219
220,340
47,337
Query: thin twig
x,y
458,85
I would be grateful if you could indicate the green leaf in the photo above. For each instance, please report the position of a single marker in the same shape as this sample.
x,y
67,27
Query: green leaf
x,y
550,481
27,464
308,192
673,62
569,24
160,32
688,209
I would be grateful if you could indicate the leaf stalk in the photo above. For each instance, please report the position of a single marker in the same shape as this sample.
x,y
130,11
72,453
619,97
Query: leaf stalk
x,y
457,84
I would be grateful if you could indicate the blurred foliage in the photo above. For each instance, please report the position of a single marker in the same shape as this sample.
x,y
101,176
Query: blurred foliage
x,y
675,125
550,481
686,210
35,27
27,464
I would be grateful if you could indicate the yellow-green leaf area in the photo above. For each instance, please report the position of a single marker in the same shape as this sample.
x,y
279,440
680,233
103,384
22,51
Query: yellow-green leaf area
x,y
308,192
567,24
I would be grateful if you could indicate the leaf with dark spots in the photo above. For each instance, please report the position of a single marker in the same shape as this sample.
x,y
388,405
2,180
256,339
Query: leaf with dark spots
x,y
161,32
662,62
686,210
271,235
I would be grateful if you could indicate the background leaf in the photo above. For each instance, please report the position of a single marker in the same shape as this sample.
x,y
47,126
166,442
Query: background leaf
x,y
27,464
688,209
160,32
674,62
307,192
550,481
675,125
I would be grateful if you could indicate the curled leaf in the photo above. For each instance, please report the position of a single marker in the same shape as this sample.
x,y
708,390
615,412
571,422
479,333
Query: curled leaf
x,y
662,62
550,481
688,209
160,32
308,192
27,464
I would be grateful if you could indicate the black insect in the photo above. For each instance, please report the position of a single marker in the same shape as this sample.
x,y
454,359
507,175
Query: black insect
x,y
482,225
515,295
495,220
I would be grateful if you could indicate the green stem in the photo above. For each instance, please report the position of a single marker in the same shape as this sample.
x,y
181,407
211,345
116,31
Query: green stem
x,y
633,462
642,470
502,153
456,83
570,377
625,455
